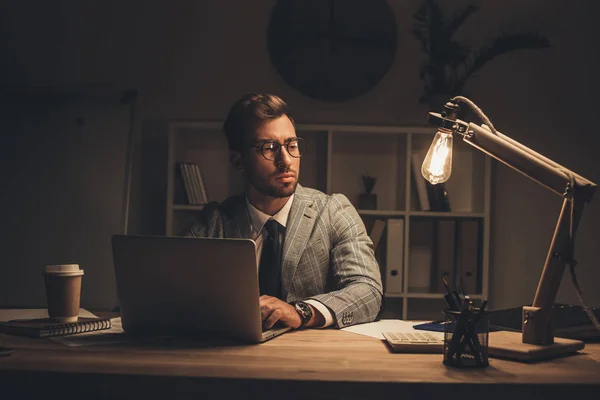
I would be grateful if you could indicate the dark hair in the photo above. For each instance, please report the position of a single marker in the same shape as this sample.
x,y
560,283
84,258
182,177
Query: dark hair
x,y
249,113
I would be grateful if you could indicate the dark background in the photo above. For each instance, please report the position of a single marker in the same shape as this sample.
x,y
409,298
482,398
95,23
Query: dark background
x,y
64,66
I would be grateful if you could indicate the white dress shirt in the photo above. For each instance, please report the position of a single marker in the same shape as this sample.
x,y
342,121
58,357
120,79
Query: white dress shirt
x,y
258,234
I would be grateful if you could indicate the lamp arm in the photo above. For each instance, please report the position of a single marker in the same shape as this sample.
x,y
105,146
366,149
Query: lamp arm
x,y
525,160
538,322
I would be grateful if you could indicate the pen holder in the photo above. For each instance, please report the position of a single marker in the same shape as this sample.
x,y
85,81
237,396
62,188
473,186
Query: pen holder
x,y
466,338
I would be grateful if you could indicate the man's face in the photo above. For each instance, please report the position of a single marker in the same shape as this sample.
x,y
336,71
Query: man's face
x,y
275,178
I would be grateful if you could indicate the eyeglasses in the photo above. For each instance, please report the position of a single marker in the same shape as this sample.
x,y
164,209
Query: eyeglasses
x,y
270,149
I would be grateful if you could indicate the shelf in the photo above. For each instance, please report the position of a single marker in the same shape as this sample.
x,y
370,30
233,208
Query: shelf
x,y
432,214
415,246
476,296
446,214
424,295
389,213
187,207
394,295
359,152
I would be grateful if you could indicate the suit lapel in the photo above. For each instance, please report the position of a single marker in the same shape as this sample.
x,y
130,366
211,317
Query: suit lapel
x,y
298,230
236,221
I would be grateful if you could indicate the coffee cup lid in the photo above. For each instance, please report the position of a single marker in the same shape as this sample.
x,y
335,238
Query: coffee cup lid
x,y
63,268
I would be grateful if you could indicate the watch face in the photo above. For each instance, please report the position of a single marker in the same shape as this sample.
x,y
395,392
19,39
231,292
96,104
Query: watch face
x,y
332,50
303,309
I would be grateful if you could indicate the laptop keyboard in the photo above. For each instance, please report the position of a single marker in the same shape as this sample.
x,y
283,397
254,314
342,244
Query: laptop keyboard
x,y
274,331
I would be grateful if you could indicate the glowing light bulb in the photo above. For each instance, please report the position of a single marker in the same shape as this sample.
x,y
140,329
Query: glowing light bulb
x,y
437,166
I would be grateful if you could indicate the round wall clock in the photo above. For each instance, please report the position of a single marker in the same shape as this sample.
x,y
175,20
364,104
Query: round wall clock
x,y
332,50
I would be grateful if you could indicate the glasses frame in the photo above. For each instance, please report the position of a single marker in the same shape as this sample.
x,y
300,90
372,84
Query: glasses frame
x,y
261,147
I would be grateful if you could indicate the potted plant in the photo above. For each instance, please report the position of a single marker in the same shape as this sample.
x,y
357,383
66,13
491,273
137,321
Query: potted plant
x,y
368,200
450,64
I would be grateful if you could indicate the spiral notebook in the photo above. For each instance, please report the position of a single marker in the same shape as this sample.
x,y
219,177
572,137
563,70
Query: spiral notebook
x,y
44,327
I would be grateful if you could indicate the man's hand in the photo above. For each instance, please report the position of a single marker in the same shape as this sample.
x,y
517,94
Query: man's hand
x,y
273,310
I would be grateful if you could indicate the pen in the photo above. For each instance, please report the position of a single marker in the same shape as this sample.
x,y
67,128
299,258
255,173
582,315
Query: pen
x,y
462,322
459,299
475,344
462,286
445,283
451,299
481,311
482,307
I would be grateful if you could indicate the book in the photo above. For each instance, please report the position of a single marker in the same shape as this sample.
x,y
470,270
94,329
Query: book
x,y
420,182
442,202
44,327
194,190
438,197
182,188
203,197
394,256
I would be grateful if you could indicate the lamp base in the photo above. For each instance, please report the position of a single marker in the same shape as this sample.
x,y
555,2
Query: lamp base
x,y
510,345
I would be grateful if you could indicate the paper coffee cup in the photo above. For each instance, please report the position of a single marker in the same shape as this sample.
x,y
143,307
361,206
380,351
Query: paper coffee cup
x,y
63,291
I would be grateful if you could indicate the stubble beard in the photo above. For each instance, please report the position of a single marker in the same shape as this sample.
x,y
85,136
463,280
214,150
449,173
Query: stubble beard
x,y
286,190
279,191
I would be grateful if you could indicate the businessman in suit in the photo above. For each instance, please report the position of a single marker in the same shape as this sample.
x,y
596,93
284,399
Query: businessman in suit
x,y
316,262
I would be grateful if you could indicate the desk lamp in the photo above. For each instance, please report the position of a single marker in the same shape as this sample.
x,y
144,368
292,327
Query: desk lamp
x,y
537,319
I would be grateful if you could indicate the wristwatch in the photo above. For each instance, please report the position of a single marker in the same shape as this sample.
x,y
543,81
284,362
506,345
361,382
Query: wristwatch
x,y
304,311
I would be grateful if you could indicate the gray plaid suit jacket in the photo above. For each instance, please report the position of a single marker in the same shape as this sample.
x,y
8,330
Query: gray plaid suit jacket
x,y
327,254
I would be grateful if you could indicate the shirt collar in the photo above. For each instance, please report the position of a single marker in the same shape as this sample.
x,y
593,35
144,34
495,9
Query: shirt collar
x,y
258,218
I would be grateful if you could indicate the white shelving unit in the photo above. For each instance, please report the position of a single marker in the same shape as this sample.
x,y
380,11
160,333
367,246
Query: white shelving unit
x,y
337,157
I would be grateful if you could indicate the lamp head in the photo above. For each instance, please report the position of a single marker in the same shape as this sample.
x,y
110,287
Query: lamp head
x,y
437,165
447,119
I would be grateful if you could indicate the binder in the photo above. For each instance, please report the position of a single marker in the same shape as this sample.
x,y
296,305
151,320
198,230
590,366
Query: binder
x,y
378,245
444,255
394,256
377,232
469,256
420,256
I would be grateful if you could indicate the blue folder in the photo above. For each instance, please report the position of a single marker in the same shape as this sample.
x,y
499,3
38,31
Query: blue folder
x,y
437,326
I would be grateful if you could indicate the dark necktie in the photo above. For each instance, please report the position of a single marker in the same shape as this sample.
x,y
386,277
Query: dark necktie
x,y
269,271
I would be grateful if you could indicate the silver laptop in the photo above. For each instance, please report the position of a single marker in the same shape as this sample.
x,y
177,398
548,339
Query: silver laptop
x,y
189,286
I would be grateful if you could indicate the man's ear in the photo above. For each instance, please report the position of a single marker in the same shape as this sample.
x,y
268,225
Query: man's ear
x,y
235,158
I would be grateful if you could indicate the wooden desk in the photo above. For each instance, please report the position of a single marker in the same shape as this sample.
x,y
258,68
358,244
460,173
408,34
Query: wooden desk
x,y
298,365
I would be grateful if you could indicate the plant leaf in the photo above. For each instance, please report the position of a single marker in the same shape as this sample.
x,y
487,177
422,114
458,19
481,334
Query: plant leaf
x,y
501,45
449,63
508,43
460,17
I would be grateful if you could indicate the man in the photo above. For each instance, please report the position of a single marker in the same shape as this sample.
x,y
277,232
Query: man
x,y
316,262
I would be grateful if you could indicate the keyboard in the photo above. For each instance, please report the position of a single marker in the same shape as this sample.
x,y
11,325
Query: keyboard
x,y
415,342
